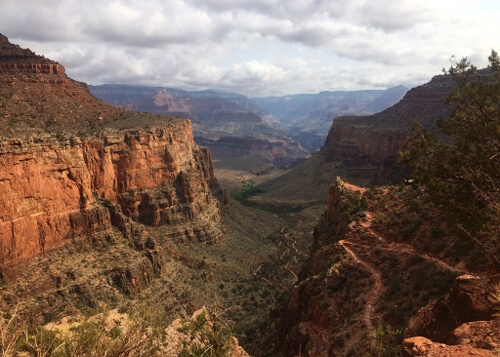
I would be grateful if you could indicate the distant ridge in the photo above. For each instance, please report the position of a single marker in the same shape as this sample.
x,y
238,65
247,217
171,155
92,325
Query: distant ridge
x,y
363,149
35,94
15,58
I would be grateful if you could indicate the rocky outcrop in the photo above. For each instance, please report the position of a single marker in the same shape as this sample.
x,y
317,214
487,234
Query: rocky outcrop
x,y
184,333
322,310
480,334
462,323
423,347
468,300
368,146
48,190
281,152
15,59
72,166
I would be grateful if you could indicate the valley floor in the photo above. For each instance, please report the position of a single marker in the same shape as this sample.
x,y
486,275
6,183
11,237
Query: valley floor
x,y
374,278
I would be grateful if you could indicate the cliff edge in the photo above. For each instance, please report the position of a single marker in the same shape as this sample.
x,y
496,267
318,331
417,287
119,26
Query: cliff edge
x,y
368,146
66,158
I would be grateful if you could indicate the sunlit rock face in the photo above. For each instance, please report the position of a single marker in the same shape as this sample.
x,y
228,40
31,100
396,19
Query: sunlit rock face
x,y
64,154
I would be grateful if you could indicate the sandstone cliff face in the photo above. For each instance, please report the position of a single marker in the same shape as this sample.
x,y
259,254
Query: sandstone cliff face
x,y
368,146
13,58
48,190
281,152
63,153
367,154
462,323
45,198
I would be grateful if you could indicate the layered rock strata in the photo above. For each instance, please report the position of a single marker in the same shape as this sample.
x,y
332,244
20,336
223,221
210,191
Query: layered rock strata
x,y
368,146
281,152
49,191
68,162
14,58
464,322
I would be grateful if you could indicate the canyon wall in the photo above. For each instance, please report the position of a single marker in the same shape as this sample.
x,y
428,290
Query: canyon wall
x,y
70,164
228,123
49,191
368,154
282,152
368,146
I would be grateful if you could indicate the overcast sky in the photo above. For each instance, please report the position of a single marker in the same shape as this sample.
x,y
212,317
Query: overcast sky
x,y
255,47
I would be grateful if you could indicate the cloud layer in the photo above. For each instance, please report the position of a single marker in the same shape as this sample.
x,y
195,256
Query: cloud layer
x,y
255,47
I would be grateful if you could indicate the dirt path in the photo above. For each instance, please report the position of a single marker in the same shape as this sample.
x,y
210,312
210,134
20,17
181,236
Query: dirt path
x,y
294,242
404,248
400,248
350,186
373,295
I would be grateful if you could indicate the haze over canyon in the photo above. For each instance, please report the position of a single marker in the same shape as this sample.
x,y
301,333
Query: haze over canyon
x,y
142,220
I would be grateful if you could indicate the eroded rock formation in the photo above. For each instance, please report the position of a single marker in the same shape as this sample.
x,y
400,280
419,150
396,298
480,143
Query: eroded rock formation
x,y
69,152
322,310
14,58
463,322
368,146
282,152
228,123
48,190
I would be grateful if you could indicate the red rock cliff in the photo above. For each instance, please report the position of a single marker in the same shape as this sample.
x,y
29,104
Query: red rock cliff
x,y
14,58
48,190
62,152
368,146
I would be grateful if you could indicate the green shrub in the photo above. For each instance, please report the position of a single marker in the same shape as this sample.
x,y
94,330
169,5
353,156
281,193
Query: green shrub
x,y
247,191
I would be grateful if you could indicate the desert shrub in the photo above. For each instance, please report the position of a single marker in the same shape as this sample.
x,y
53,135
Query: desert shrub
x,y
247,190
353,203
380,218
411,225
388,341
209,334
415,205
460,174
436,232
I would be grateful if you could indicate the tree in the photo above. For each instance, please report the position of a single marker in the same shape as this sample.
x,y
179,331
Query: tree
x,y
461,174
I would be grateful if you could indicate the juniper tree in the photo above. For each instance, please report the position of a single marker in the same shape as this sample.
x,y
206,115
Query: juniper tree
x,y
461,174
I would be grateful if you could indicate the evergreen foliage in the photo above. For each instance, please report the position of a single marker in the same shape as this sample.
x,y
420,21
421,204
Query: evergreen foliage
x,y
462,174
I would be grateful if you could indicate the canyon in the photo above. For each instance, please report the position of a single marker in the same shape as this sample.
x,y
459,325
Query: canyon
x,y
53,184
368,146
51,191
109,212
278,130
363,149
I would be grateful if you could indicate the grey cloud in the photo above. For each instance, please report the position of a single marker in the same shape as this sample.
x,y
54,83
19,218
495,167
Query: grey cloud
x,y
257,47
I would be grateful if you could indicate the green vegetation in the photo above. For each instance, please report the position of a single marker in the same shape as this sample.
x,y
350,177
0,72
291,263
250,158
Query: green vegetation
x,y
248,190
388,341
91,337
353,203
461,175
210,334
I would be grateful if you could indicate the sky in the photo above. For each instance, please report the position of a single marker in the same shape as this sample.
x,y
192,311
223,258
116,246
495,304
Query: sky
x,y
255,47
